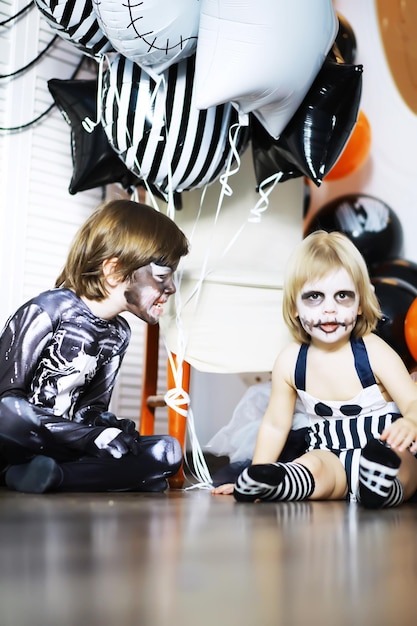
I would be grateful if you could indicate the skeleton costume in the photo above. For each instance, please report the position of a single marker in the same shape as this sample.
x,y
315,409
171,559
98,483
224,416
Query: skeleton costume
x,y
59,363
344,429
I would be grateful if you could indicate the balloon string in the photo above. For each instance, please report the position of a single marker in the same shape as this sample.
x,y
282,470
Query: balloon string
x,y
263,202
199,468
225,190
176,398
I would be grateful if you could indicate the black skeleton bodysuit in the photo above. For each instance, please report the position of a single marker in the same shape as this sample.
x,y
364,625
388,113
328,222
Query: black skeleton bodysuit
x,y
58,366
61,358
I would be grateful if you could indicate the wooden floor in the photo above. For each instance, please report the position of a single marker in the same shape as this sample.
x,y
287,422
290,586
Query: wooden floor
x,y
189,558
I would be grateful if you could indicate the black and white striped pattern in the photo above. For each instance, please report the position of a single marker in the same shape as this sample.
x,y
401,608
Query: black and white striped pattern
x,y
376,477
157,130
395,496
76,22
348,432
274,481
378,483
346,437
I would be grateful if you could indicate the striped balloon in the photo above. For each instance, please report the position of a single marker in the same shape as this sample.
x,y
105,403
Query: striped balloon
x,y
158,131
76,22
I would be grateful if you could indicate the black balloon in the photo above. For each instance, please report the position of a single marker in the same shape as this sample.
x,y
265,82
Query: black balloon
x,y
395,297
269,159
314,138
95,163
397,268
370,223
345,43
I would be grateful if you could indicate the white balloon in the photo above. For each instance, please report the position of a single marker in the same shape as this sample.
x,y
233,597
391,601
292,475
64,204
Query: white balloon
x,y
262,56
152,33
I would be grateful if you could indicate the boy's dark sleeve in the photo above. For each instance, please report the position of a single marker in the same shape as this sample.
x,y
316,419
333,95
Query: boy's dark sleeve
x,y
21,343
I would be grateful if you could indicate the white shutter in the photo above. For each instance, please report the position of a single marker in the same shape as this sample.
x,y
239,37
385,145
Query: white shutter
x,y
38,216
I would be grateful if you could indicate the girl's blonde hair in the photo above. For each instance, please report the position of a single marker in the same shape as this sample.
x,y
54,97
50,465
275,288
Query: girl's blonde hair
x,y
135,233
317,255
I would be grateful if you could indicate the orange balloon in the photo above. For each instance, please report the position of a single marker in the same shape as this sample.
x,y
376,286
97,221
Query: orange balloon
x,y
355,152
410,329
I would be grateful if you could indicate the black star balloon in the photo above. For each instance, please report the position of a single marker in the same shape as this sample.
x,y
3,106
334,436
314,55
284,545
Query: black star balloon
x,y
95,163
314,138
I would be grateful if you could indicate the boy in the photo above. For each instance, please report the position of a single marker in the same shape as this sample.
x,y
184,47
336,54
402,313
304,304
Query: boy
x,y
60,354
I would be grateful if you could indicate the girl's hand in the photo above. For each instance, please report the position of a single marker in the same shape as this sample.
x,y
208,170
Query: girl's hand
x,y
401,435
223,490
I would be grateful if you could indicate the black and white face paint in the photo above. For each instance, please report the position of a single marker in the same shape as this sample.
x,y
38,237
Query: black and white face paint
x,y
148,290
328,307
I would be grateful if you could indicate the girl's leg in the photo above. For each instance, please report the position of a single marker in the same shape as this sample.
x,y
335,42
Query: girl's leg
x,y
316,475
274,481
407,473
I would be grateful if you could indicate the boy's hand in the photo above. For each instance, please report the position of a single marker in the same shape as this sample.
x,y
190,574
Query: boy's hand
x,y
109,420
117,443
94,417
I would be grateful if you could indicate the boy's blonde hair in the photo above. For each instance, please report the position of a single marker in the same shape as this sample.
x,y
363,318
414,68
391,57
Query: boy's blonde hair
x,y
135,233
317,255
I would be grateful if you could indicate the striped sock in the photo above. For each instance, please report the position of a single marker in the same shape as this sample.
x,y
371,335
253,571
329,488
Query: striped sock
x,y
396,494
274,481
378,483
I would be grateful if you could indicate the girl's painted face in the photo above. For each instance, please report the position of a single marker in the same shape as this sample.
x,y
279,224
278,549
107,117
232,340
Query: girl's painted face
x,y
149,290
328,307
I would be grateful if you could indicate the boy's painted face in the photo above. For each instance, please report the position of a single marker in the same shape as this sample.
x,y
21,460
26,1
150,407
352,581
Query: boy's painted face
x,y
328,307
149,290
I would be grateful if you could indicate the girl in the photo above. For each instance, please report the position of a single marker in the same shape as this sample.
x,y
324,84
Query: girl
x,y
60,354
356,391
